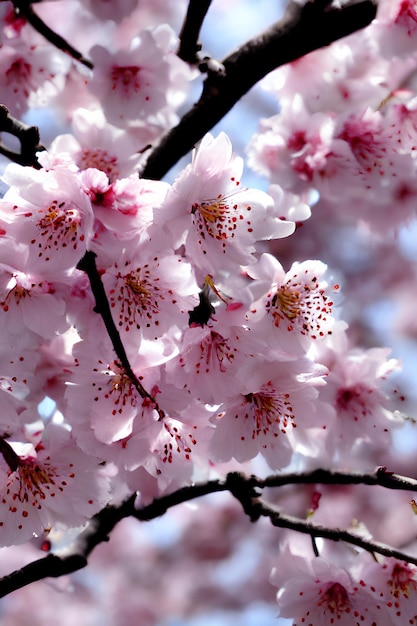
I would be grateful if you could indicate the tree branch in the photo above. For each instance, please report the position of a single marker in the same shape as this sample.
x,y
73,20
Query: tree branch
x,y
243,488
189,45
27,135
381,476
334,534
302,30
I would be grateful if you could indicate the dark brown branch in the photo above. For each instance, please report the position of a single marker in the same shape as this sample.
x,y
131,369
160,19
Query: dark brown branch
x,y
302,30
88,265
189,45
23,8
244,489
54,566
381,477
334,534
27,135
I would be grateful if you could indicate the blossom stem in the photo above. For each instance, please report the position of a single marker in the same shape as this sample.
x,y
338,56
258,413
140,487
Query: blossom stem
x,y
88,265
24,8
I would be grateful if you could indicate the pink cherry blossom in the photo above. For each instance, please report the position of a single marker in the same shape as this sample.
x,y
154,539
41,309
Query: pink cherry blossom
x,y
217,219
132,80
123,209
110,402
295,306
318,592
150,293
24,300
336,78
397,27
48,211
275,400
292,148
30,74
96,144
396,583
53,483
211,354
358,393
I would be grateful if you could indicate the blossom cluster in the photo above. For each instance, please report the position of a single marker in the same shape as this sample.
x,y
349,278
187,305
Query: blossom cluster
x,y
233,354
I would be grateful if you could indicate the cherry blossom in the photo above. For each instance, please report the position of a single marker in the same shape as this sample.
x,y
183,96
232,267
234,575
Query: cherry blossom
x,y
275,400
318,592
25,299
30,74
185,333
294,308
124,79
396,582
150,293
355,391
110,402
292,148
122,209
94,143
47,211
397,27
55,482
216,219
211,354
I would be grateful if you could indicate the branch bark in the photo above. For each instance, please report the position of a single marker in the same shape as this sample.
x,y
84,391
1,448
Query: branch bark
x,y
302,30
189,45
27,135
244,488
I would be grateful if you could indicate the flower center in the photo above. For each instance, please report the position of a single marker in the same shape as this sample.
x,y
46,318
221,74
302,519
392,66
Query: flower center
x,y
402,581
138,298
120,387
270,411
125,78
335,599
304,305
16,293
33,478
219,219
19,72
357,400
215,350
59,228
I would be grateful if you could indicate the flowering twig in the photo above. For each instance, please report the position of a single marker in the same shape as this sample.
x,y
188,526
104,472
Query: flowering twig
x,y
24,8
244,488
88,265
27,135
302,30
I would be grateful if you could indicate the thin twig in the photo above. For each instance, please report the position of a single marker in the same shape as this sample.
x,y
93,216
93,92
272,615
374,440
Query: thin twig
x,y
334,534
88,265
381,476
24,8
